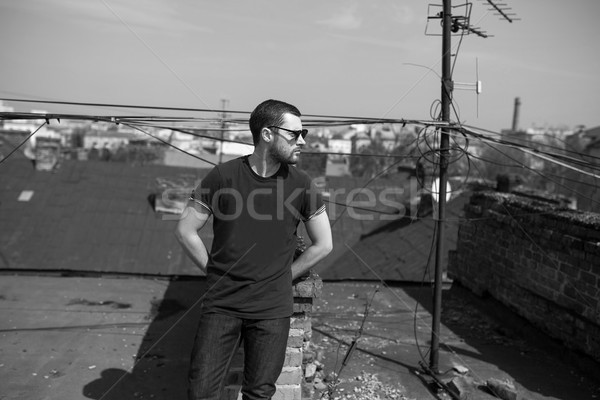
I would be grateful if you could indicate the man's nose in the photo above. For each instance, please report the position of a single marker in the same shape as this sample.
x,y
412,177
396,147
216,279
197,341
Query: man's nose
x,y
300,140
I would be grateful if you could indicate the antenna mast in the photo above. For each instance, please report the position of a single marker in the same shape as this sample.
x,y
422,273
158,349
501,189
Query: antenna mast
x,y
447,87
450,24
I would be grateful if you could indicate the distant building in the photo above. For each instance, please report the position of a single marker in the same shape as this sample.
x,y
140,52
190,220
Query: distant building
x,y
359,141
337,166
7,109
24,126
592,138
47,153
108,139
235,149
340,145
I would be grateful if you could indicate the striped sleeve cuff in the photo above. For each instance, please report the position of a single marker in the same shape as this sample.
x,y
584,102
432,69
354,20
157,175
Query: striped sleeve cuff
x,y
319,211
203,204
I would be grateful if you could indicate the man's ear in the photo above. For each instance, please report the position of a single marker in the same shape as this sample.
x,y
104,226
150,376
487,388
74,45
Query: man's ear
x,y
266,134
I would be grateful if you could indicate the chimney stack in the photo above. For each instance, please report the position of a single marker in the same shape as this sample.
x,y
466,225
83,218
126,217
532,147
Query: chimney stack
x,y
515,123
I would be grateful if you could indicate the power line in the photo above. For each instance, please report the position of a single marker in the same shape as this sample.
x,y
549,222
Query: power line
x,y
559,159
171,145
22,143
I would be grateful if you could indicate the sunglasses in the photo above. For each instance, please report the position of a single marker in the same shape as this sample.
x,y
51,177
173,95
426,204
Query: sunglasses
x,y
297,134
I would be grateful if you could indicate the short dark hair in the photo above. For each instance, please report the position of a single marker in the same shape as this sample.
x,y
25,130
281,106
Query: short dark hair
x,y
269,112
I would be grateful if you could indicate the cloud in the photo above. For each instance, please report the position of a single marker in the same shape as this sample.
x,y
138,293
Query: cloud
x,y
403,14
106,14
373,41
345,19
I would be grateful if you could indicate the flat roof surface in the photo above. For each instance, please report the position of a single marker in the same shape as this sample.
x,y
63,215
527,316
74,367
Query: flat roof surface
x,y
130,338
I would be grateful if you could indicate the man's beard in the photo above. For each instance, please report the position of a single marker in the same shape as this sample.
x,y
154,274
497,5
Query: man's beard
x,y
278,156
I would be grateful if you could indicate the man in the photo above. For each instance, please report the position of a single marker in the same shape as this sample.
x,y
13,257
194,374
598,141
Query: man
x,y
257,202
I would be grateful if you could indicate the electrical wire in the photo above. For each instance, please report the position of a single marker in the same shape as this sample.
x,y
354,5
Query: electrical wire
x,y
113,105
309,118
544,155
462,152
520,166
136,120
465,152
535,171
553,157
171,145
528,143
353,345
548,156
544,175
534,243
430,149
22,143
373,210
383,171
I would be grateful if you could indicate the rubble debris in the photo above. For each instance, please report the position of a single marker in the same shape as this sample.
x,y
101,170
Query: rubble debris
x,y
365,386
110,303
460,369
467,388
310,371
54,373
503,389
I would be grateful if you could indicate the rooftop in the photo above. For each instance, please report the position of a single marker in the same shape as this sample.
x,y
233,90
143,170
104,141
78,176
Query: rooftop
x,y
105,337
99,300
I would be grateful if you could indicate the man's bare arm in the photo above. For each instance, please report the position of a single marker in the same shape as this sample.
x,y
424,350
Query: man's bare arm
x,y
319,232
193,218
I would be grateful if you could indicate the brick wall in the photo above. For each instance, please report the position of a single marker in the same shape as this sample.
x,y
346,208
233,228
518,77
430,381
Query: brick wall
x,y
289,384
541,261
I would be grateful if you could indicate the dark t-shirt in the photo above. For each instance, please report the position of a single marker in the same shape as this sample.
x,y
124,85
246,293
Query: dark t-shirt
x,y
255,220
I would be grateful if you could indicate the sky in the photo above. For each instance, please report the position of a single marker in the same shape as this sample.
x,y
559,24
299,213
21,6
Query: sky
x,y
376,59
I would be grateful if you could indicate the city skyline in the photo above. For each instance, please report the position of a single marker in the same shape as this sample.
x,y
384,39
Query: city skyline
x,y
333,58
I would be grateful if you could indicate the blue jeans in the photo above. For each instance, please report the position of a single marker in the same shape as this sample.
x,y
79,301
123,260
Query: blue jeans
x,y
217,340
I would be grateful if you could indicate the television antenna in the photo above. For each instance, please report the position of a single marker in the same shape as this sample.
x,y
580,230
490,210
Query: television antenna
x,y
460,21
471,86
502,10
450,24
